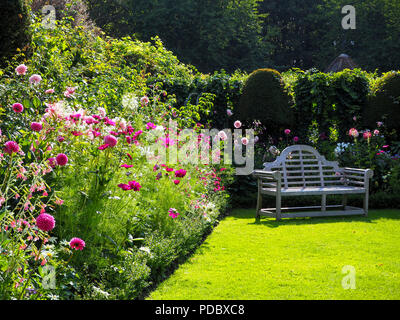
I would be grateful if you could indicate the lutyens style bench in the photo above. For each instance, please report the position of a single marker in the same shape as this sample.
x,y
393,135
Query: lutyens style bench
x,y
301,171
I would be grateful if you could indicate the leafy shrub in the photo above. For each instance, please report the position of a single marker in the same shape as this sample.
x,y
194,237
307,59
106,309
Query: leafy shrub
x,y
13,28
265,98
384,103
326,104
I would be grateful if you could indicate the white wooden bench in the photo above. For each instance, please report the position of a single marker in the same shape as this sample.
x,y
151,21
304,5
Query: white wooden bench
x,y
301,171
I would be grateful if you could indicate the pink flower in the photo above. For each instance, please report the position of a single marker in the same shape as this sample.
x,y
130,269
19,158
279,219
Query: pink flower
x,y
35,79
60,138
144,101
173,213
49,91
77,244
245,141
287,131
353,132
11,147
296,139
150,125
126,166
62,159
229,113
179,173
45,222
367,135
376,132
21,69
222,135
104,146
110,140
177,182
135,186
379,124
124,187
237,124
17,107
52,162
36,126
385,146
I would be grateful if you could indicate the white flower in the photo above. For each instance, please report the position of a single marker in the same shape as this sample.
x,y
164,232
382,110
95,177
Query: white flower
x,y
130,101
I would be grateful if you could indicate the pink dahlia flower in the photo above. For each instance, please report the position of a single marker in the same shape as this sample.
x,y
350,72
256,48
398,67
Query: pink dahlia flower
x,y
110,140
17,107
296,139
45,222
245,141
11,147
367,135
21,69
62,159
180,173
287,131
35,79
177,182
353,132
376,132
237,124
36,126
77,244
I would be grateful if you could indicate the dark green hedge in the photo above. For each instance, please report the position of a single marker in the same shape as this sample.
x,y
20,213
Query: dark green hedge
x,y
384,103
329,102
13,28
265,98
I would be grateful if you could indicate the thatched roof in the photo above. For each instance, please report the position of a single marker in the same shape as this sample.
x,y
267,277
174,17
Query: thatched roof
x,y
340,63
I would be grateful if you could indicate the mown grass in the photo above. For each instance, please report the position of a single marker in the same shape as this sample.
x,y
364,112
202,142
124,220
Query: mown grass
x,y
292,259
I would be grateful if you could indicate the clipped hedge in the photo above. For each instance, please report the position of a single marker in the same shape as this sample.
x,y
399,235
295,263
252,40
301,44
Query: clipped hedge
x,y
265,98
384,103
326,104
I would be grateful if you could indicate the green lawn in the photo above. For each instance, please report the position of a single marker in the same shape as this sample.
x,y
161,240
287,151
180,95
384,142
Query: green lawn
x,y
292,259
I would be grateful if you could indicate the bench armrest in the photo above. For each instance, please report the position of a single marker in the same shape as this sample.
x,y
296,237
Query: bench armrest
x,y
368,173
260,174
358,177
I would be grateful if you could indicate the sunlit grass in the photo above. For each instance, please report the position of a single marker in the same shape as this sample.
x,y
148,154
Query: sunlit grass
x,y
292,259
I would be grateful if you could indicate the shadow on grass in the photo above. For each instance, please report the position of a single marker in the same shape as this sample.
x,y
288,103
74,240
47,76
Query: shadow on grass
x,y
373,215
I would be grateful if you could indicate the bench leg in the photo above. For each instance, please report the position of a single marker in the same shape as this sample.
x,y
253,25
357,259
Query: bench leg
x,y
259,200
366,198
323,203
278,206
344,201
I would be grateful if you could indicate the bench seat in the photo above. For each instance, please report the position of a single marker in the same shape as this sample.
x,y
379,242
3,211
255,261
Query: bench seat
x,y
312,191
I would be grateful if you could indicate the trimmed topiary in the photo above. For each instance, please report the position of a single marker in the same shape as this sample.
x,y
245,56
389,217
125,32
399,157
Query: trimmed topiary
x,y
384,102
265,98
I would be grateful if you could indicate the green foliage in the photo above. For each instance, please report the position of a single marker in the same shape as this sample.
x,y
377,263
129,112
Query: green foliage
x,y
384,103
226,90
14,27
326,103
266,99
209,34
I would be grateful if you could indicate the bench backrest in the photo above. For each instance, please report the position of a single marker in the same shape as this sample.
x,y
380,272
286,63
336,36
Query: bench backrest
x,y
303,166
